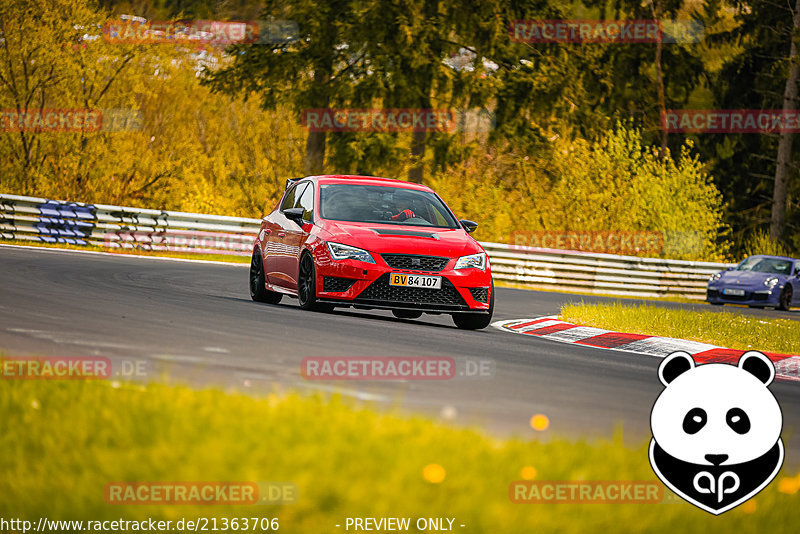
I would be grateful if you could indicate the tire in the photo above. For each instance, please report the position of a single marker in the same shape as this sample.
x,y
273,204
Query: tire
x,y
476,321
785,300
258,285
307,286
407,314
716,303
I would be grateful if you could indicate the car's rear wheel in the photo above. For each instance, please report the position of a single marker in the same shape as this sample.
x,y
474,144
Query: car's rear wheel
x,y
476,321
407,314
307,286
785,300
258,286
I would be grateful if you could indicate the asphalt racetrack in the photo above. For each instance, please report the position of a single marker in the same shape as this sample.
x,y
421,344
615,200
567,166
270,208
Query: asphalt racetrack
x,y
196,323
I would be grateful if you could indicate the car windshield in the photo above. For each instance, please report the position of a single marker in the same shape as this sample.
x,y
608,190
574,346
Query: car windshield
x,y
388,205
765,265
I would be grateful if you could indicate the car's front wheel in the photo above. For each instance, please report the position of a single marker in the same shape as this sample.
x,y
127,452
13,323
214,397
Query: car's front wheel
x,y
307,286
785,300
476,321
258,286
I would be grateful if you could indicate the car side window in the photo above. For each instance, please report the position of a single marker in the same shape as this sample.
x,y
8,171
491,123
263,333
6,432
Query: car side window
x,y
289,200
306,201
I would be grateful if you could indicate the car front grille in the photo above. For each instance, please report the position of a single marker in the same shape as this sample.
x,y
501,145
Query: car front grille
x,y
336,284
414,262
380,292
481,294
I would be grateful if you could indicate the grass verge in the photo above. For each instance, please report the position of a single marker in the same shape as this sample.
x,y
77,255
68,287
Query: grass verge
x,y
569,291
62,442
718,328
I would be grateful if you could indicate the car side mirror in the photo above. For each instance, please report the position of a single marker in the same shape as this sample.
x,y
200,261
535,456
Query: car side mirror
x,y
469,226
295,214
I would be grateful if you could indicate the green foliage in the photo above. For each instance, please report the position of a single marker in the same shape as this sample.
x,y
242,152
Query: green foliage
x,y
759,242
196,151
725,329
347,461
753,51
225,142
615,183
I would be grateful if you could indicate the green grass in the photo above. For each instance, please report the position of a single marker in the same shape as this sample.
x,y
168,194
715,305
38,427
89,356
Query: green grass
x,y
139,252
558,289
63,441
725,329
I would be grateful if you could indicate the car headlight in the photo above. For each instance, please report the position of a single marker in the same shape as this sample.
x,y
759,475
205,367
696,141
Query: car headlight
x,y
346,252
473,261
771,282
715,277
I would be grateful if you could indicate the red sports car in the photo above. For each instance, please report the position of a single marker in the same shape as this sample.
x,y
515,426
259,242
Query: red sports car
x,y
371,243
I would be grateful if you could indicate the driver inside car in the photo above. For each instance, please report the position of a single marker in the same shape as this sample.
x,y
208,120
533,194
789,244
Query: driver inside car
x,y
403,209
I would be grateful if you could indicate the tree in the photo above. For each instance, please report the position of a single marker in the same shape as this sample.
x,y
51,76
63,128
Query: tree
x,y
776,226
310,72
756,185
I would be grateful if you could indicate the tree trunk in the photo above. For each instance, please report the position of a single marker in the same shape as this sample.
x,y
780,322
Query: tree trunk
x,y
316,141
315,153
777,221
662,104
424,85
418,137
416,173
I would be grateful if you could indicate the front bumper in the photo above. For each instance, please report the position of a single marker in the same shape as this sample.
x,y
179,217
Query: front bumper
x,y
751,297
356,283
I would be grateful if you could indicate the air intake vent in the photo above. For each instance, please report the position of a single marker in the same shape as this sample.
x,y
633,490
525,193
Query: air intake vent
x,y
408,233
481,294
336,284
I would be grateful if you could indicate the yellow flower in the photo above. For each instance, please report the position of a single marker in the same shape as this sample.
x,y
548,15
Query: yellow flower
x,y
434,473
540,422
528,472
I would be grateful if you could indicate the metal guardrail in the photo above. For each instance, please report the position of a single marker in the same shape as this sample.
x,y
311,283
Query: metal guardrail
x,y
52,221
610,274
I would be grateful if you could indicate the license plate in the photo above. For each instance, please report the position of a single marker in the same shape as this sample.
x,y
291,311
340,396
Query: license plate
x,y
413,280
733,292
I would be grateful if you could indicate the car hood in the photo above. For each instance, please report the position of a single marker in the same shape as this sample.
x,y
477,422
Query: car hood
x,y
747,277
405,239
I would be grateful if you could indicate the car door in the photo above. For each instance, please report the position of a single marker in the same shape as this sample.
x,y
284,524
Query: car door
x,y
274,230
296,235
